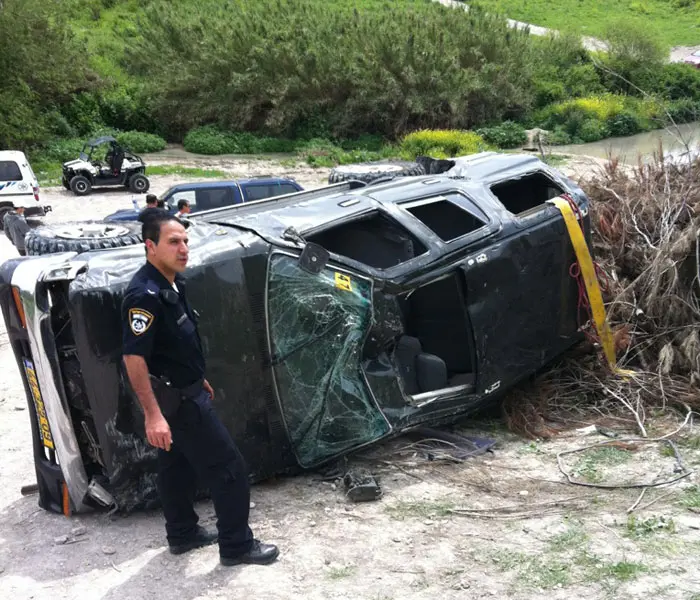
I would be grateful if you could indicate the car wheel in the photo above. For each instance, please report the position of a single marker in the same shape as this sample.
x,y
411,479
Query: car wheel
x,y
80,185
372,171
81,237
139,183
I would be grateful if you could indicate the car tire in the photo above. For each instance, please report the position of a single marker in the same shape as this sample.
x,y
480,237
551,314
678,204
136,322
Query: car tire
x,y
371,171
81,237
80,185
139,184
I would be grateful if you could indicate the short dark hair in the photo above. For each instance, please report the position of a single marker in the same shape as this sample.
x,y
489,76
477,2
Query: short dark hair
x,y
182,203
150,230
151,199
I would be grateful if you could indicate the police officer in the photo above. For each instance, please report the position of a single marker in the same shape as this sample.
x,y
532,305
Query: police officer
x,y
161,342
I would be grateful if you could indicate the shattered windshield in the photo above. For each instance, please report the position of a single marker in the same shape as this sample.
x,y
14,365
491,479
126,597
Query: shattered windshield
x,y
318,324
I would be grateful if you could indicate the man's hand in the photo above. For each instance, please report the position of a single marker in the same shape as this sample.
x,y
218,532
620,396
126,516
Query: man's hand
x,y
158,431
208,389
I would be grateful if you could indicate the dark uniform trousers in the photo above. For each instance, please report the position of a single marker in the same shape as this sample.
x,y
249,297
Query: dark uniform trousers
x,y
202,449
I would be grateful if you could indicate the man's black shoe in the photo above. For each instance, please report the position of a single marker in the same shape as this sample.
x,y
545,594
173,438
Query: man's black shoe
x,y
201,538
259,554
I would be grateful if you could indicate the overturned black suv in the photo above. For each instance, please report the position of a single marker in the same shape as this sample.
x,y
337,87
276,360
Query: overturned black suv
x,y
331,318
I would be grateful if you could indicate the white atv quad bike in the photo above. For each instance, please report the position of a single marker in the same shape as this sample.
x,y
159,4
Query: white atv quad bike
x,y
117,166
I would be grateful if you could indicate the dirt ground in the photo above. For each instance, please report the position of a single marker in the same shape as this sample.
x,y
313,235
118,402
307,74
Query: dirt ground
x,y
502,525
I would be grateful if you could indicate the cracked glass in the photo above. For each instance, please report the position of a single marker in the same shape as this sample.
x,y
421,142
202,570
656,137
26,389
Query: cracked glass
x,y
318,324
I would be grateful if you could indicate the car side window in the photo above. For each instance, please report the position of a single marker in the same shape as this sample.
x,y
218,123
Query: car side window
x,y
373,239
267,190
446,215
188,195
208,198
526,193
10,171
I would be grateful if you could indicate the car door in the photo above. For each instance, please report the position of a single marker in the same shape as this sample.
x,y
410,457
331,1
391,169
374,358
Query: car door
x,y
521,299
317,324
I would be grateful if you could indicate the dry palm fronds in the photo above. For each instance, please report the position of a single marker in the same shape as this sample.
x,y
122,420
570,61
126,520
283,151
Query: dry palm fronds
x,y
645,231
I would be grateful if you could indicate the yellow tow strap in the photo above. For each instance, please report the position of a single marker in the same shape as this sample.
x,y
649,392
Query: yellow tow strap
x,y
590,280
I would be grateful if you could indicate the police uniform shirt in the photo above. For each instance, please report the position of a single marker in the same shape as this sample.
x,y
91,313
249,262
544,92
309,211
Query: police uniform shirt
x,y
159,325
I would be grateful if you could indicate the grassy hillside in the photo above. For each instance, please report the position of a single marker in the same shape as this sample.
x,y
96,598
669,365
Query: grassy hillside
x,y
673,22
275,75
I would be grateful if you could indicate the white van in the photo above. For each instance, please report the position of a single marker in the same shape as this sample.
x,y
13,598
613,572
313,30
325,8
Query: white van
x,y
17,180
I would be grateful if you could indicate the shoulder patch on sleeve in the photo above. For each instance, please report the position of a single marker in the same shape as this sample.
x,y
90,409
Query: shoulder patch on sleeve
x,y
140,320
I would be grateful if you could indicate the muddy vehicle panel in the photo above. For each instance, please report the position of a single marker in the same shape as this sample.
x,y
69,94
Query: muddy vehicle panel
x,y
330,319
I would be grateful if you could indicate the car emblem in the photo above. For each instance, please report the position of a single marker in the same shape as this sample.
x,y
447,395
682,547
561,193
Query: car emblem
x,y
23,187
139,320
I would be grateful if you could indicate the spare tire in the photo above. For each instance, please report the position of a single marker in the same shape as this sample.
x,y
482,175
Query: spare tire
x,y
81,237
371,171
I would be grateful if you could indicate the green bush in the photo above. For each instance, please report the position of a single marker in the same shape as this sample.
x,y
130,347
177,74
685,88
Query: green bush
x,y
128,108
678,81
207,140
211,140
506,135
59,151
443,142
296,67
686,110
592,130
140,142
634,58
623,123
558,137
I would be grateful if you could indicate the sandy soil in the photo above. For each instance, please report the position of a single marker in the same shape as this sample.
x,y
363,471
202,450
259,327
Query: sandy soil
x,y
505,524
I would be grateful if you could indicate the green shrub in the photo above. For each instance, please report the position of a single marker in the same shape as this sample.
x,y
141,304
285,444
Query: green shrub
x,y
296,67
506,135
558,137
83,113
207,140
592,130
211,140
451,142
140,142
623,123
59,151
678,81
685,110
128,108
634,58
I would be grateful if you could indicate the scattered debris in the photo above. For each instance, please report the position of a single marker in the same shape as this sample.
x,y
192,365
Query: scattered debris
x,y
361,486
60,540
78,531
108,550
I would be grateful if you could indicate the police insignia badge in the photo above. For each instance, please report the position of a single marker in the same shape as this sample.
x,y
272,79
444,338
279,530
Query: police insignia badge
x,y
139,320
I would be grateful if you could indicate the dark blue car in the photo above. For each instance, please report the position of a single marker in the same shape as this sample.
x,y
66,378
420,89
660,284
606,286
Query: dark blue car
x,y
217,194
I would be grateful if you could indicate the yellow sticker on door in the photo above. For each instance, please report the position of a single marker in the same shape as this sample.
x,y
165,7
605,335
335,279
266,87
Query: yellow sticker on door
x,y
343,282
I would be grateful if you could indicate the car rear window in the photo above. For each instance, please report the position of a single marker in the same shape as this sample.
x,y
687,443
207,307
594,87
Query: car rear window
x,y
9,171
